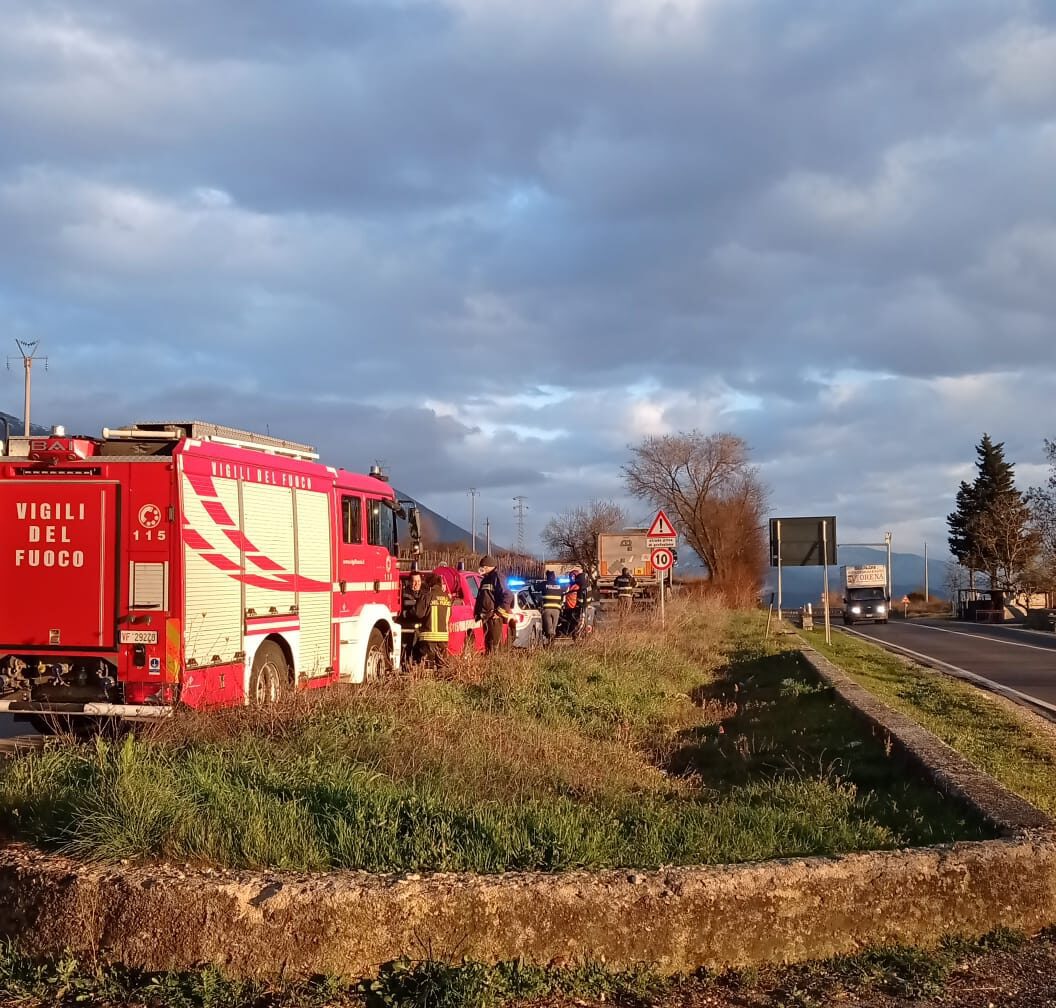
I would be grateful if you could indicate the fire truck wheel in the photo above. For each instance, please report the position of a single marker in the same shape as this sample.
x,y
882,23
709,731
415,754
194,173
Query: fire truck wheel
x,y
377,662
268,676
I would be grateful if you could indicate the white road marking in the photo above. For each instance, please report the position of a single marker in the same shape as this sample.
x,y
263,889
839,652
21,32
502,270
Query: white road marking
x,y
957,672
977,636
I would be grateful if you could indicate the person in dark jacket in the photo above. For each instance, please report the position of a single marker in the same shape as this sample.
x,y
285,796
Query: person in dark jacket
x,y
413,609
624,583
489,605
553,598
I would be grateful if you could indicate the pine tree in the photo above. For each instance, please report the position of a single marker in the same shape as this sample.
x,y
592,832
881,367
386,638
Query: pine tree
x,y
996,475
959,523
990,529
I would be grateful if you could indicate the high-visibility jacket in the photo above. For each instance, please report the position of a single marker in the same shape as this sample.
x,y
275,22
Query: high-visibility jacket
x,y
437,625
553,595
624,585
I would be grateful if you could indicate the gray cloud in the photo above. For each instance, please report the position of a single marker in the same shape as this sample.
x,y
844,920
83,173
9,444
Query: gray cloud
x,y
495,243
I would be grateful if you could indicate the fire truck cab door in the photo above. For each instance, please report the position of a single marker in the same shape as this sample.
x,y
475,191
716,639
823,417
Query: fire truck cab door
x,y
59,555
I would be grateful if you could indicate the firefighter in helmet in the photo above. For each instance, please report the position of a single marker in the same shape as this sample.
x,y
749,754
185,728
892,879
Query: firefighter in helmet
x,y
434,632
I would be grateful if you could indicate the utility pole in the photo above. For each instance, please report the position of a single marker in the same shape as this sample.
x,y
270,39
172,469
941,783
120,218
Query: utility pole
x,y
474,493
28,351
927,595
487,532
519,508
890,585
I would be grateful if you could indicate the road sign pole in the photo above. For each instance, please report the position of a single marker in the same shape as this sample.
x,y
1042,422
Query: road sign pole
x,y
825,578
663,574
779,600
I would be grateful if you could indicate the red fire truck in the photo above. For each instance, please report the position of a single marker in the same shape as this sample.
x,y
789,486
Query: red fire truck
x,y
188,563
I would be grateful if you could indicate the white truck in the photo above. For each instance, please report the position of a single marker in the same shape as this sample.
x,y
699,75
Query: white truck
x,y
629,549
865,594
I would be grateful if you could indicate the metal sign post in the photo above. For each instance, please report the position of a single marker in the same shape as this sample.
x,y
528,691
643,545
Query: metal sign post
x,y
662,617
825,579
779,569
663,559
802,542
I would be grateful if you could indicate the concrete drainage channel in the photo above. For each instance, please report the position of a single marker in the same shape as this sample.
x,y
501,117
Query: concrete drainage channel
x,y
679,919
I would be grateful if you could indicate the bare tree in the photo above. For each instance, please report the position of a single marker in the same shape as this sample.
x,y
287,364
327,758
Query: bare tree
x,y
572,536
1007,542
1042,503
715,496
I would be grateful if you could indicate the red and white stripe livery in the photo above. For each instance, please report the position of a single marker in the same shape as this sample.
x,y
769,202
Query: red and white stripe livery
x,y
152,565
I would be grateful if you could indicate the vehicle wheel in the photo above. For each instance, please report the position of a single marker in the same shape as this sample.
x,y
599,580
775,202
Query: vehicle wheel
x,y
848,622
269,675
377,660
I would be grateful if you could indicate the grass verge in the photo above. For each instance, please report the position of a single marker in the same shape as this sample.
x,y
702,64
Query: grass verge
x,y
1016,748
30,982
701,745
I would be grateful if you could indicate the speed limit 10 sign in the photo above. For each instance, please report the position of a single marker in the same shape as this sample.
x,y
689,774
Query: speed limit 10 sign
x,y
662,558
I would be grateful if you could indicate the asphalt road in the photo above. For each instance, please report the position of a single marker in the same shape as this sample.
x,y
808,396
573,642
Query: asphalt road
x,y
1021,660
9,728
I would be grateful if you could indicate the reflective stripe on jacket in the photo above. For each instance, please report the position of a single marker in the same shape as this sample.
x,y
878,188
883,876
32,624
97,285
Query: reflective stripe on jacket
x,y
438,627
553,595
624,585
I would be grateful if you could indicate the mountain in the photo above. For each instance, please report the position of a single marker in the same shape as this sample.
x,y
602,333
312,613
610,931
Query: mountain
x,y
437,529
15,425
803,584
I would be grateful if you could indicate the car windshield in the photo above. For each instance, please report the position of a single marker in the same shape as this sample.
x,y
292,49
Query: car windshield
x,y
867,594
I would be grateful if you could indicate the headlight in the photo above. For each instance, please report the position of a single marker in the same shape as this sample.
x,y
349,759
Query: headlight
x,y
880,609
856,609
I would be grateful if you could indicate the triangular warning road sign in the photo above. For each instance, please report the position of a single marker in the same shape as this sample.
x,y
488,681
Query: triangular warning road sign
x,y
661,526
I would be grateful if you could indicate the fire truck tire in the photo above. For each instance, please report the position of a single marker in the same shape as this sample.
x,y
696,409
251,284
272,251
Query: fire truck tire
x,y
377,660
269,674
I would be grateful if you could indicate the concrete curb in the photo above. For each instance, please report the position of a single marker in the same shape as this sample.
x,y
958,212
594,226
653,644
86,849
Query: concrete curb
x,y
159,917
945,767
678,919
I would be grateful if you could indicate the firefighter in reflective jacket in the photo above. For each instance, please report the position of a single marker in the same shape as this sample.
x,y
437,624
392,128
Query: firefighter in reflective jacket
x,y
553,597
624,583
434,632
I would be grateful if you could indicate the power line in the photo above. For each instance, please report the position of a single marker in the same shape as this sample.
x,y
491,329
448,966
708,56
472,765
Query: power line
x,y
28,351
519,509
474,493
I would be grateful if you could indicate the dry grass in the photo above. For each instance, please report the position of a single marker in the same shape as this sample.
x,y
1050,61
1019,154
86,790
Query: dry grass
x,y
610,752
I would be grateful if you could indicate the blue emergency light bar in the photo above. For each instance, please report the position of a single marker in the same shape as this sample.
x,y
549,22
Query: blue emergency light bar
x,y
564,580
515,583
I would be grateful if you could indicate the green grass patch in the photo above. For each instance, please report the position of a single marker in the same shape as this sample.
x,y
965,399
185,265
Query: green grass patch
x,y
994,736
703,745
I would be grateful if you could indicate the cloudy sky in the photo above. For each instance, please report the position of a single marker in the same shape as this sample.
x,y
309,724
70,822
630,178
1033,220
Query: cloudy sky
x,y
493,243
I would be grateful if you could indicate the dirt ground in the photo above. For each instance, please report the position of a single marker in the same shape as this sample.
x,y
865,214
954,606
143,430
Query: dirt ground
x,y
1021,978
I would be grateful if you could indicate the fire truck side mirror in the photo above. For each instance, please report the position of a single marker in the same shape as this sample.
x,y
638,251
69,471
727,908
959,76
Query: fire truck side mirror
x,y
415,526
